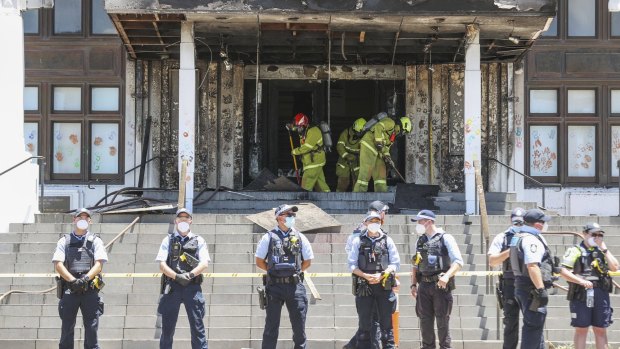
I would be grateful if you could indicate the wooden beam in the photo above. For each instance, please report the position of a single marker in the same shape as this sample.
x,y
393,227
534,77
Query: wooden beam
x,y
319,72
294,26
123,34
159,35
362,37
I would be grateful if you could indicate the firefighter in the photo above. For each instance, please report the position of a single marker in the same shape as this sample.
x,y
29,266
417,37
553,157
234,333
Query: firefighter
x,y
586,267
312,154
375,152
499,251
348,147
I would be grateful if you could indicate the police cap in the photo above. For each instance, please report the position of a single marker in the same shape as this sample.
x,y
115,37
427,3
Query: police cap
x,y
424,214
378,206
535,215
184,210
516,216
285,208
592,228
82,210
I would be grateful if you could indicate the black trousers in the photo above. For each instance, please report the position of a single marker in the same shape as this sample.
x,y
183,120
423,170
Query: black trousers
x,y
294,296
381,302
434,304
511,316
68,307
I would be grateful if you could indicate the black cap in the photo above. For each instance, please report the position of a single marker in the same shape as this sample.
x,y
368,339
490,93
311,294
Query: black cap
x,y
516,216
424,214
378,206
285,208
535,215
183,210
82,210
592,228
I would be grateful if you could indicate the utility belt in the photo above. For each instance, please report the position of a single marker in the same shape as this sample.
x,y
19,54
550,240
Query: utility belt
x,y
434,278
94,285
272,280
578,292
361,287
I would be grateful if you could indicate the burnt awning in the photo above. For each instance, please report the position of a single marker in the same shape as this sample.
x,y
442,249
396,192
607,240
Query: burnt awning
x,y
354,31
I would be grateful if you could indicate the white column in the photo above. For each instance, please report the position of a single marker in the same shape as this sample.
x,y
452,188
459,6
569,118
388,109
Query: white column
x,y
187,109
18,187
518,155
472,115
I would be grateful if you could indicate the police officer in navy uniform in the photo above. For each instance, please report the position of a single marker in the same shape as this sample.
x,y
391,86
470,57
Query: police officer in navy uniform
x,y
533,267
182,257
381,208
78,259
285,254
499,253
435,263
374,260
586,266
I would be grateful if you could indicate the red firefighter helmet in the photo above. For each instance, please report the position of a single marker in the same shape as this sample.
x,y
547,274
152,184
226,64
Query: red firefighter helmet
x,y
301,120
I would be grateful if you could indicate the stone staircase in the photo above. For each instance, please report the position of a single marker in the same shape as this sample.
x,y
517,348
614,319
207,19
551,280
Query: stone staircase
x,y
234,319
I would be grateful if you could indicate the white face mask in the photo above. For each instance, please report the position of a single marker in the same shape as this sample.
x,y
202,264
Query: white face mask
x,y
374,227
591,242
545,227
82,224
420,229
289,222
183,227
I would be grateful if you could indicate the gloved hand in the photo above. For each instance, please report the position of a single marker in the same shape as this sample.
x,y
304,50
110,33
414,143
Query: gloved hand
x,y
543,297
183,279
295,152
80,284
350,157
379,146
388,160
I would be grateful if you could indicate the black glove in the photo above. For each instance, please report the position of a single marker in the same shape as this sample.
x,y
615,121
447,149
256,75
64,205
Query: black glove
x,y
80,284
388,160
540,297
183,279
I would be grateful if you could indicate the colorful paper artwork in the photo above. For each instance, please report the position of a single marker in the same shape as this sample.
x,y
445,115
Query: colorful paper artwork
x,y
67,148
581,151
543,151
615,149
104,158
31,137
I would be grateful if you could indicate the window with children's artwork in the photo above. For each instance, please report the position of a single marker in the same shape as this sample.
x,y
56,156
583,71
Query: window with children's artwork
x,y
31,137
581,151
104,148
67,148
543,150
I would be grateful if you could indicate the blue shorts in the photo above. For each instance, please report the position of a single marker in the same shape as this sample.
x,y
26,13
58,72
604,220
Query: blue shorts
x,y
598,316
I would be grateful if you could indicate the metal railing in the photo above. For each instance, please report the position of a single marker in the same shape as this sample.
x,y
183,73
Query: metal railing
x,y
540,184
21,163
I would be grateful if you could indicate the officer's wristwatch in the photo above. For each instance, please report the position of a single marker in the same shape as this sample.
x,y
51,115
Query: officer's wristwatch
x,y
605,251
413,285
191,275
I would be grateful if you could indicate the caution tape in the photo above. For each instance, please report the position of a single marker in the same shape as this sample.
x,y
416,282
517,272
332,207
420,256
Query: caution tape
x,y
243,275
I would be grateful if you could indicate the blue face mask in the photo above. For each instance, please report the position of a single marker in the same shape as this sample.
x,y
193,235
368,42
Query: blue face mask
x,y
289,222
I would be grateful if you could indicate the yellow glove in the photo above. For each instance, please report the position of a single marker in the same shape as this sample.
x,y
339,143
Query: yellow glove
x,y
418,259
384,278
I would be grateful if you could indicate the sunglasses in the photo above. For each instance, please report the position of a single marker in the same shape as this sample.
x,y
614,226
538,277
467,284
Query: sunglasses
x,y
597,235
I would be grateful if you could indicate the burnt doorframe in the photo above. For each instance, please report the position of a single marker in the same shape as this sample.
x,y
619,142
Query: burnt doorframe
x,y
319,113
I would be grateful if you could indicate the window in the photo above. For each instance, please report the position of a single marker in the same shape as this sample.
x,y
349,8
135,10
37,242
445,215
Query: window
x,y
67,17
31,21
615,150
615,24
31,98
104,99
581,101
543,101
31,137
615,101
104,154
101,23
582,18
581,151
67,99
543,151
553,28
67,148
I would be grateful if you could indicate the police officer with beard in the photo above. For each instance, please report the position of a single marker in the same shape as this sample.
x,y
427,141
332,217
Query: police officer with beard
x,y
374,260
586,267
78,259
182,257
285,254
533,267
499,253
435,263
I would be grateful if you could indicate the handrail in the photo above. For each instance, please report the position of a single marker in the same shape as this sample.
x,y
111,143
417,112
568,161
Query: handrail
x,y
118,236
22,162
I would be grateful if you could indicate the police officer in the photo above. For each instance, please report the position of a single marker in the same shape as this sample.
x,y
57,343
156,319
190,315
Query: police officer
x,y
499,253
435,263
375,152
586,266
182,257
312,153
532,265
348,147
374,260
78,259
285,254
382,209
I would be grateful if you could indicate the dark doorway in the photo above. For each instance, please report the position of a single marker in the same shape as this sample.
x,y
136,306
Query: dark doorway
x,y
350,99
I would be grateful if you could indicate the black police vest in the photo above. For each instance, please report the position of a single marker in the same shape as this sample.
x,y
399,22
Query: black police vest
x,y
434,253
176,248
284,254
586,264
373,256
79,254
519,268
507,272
